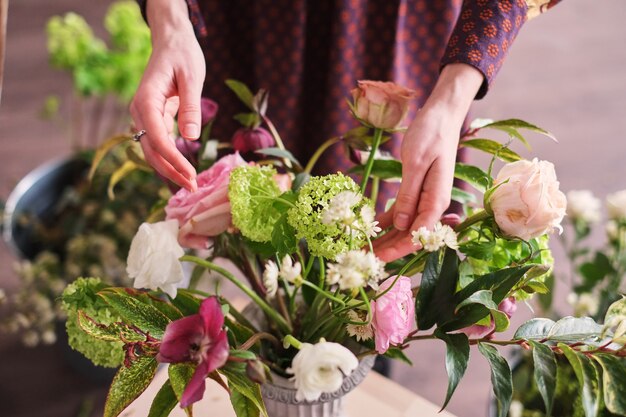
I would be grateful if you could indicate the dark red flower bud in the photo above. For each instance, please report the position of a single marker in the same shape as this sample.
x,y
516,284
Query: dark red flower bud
x,y
208,109
247,140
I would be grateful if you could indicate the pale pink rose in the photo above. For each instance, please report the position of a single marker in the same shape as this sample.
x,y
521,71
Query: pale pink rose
x,y
205,212
393,313
381,104
283,181
529,203
508,306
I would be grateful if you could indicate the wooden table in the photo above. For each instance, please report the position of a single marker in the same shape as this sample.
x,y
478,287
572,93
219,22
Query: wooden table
x,y
377,396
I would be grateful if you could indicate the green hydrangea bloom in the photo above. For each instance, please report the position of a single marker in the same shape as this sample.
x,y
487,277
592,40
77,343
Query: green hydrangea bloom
x,y
327,240
81,295
252,192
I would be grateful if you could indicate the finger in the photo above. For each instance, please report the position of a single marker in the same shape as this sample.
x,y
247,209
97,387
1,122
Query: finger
x,y
385,239
385,219
408,196
165,168
171,108
189,113
401,245
159,141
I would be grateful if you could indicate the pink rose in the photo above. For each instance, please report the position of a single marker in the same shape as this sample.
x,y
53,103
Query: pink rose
x,y
508,306
206,212
249,140
283,181
381,104
529,203
393,313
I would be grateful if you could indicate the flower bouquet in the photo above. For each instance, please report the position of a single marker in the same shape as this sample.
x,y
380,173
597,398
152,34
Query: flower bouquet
x,y
320,299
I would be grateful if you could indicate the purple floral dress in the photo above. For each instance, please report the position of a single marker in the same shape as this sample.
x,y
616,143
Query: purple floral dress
x,y
310,53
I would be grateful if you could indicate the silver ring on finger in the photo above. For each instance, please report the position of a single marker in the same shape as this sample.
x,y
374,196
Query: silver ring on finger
x,y
137,136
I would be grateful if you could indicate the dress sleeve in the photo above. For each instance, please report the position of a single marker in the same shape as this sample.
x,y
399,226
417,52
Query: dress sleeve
x,y
485,31
195,15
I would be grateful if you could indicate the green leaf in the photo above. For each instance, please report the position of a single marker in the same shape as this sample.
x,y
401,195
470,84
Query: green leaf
x,y
243,406
483,297
473,175
457,357
112,333
186,302
588,379
575,329
242,91
145,316
492,147
501,378
238,381
164,402
545,373
384,169
301,179
180,374
435,301
616,318
511,126
536,287
119,174
594,272
462,197
534,329
128,384
613,382
103,150
278,153
398,354
284,237
248,119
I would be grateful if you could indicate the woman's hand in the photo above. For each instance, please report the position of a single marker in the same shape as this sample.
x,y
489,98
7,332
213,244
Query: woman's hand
x,y
171,84
428,156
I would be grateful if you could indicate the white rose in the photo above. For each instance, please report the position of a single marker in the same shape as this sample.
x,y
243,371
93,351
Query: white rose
x,y
616,205
153,257
320,368
529,203
583,205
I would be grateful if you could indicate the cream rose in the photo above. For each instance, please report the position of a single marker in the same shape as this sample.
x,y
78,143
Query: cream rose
x,y
616,205
381,104
528,203
153,257
320,368
583,205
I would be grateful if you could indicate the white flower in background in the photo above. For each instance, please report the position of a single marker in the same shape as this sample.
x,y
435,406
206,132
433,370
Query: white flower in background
x,y
360,332
48,337
441,235
291,271
585,304
583,205
3,296
616,205
355,269
612,230
480,123
339,209
368,223
153,257
320,368
30,338
210,150
516,409
270,278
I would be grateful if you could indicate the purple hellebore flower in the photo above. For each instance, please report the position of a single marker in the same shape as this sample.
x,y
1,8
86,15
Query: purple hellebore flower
x,y
247,140
199,338
508,306
208,110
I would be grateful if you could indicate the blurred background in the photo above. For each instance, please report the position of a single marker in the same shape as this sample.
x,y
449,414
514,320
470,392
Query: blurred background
x,y
565,73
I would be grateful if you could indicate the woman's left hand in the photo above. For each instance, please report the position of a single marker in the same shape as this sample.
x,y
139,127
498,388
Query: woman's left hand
x,y
428,154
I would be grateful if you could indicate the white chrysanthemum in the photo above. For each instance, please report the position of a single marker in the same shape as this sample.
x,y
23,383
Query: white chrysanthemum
x,y
369,225
290,271
360,332
441,235
583,205
355,269
616,205
339,209
270,278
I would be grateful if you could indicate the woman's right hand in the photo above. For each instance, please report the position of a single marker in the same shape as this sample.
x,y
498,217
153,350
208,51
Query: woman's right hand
x,y
171,83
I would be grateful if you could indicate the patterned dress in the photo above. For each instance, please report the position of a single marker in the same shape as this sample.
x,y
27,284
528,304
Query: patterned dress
x,y
309,54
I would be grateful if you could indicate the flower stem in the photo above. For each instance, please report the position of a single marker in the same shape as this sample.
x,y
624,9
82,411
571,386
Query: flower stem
x,y
473,219
289,340
318,153
258,337
267,309
324,293
374,189
368,306
378,135
277,138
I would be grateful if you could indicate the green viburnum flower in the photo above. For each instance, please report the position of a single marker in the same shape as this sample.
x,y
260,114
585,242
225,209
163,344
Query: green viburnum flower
x,y
252,192
315,220
82,295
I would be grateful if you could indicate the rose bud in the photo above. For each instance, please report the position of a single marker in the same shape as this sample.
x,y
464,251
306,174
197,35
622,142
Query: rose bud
x,y
527,203
208,110
255,370
381,104
248,140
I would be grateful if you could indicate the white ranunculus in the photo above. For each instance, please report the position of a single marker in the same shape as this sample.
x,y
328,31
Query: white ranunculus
x,y
616,205
153,257
320,368
528,203
583,205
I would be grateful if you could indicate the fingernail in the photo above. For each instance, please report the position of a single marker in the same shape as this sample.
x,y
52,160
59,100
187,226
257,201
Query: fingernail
x,y
193,185
401,221
191,131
